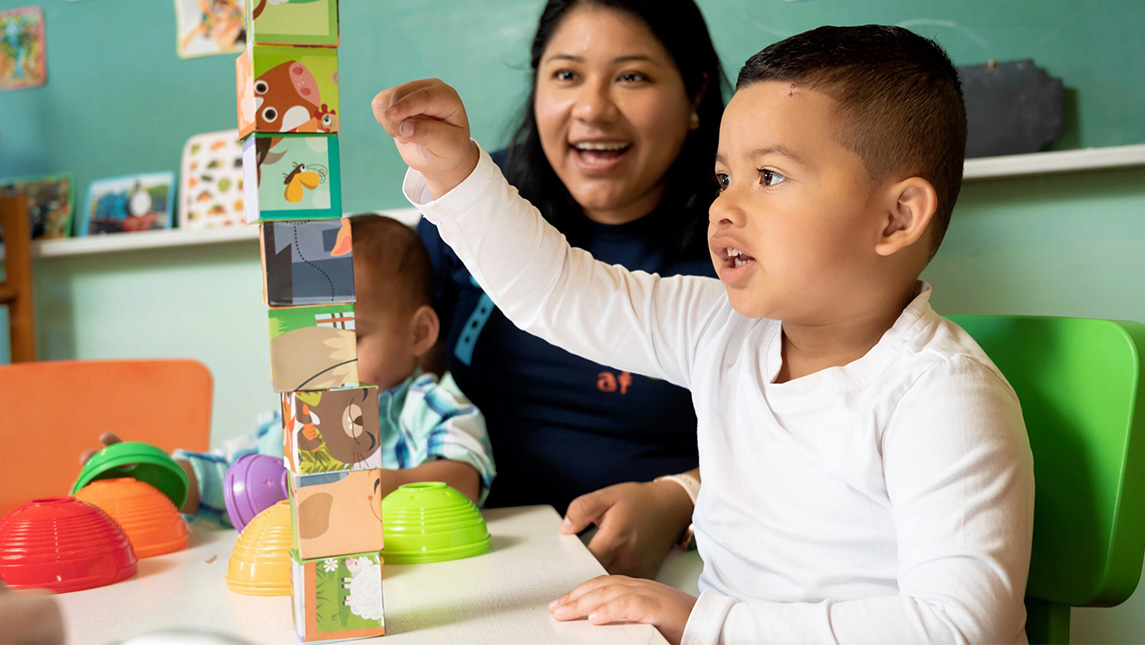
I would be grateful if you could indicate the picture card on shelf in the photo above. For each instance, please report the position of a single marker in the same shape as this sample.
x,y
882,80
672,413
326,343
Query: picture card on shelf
x,y
50,203
211,181
128,204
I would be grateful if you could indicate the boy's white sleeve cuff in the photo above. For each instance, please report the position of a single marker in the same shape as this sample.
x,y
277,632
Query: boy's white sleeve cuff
x,y
455,201
706,621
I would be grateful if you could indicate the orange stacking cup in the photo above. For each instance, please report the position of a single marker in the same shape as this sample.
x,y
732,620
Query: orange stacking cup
x,y
151,521
260,559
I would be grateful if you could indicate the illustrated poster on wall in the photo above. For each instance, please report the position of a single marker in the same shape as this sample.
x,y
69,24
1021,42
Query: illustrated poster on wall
x,y
50,203
22,60
128,204
209,27
211,182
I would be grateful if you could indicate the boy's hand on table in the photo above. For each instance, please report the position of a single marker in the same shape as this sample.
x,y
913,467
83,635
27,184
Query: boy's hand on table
x,y
637,524
106,439
612,599
191,506
427,120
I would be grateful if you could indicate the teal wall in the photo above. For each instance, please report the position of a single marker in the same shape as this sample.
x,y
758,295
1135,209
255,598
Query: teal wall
x,y
118,100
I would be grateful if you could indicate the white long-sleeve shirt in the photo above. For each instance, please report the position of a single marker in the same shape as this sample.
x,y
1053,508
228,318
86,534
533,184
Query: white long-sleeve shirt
x,y
888,500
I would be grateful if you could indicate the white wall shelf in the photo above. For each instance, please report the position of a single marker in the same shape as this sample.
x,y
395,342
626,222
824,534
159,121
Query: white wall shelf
x,y
1052,162
976,169
142,240
165,239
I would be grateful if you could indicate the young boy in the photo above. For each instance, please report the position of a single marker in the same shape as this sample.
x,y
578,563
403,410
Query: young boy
x,y
429,431
867,475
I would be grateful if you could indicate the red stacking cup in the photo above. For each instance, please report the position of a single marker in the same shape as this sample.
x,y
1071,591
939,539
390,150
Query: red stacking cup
x,y
63,544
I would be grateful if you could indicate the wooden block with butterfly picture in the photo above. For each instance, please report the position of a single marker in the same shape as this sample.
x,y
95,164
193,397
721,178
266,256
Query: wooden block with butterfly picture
x,y
291,177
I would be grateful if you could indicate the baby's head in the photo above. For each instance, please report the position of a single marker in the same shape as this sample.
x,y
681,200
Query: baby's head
x,y
393,284
840,160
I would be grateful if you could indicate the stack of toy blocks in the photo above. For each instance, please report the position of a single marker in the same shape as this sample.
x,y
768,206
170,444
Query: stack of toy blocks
x,y
288,116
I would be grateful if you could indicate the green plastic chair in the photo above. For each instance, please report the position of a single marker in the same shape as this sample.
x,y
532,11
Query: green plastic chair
x,y
1079,383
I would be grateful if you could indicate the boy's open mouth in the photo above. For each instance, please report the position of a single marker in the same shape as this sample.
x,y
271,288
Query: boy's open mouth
x,y
600,153
734,258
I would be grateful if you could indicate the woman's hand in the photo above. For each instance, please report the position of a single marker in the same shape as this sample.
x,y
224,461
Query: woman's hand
x,y
611,599
637,524
428,123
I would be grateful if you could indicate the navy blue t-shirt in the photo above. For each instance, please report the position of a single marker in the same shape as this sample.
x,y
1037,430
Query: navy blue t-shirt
x,y
560,425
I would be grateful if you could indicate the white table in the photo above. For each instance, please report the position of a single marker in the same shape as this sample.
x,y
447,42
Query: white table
x,y
499,597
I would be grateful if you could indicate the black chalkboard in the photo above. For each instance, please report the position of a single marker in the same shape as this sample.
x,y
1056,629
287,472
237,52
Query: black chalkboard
x,y
1011,107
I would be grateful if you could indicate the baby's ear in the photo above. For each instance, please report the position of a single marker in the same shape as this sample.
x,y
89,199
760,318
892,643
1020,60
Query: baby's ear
x,y
426,327
906,212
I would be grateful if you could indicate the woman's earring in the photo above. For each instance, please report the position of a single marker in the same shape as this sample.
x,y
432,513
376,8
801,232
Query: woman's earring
x,y
694,121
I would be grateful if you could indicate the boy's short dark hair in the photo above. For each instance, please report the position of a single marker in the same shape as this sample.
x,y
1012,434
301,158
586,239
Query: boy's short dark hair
x,y
394,252
899,98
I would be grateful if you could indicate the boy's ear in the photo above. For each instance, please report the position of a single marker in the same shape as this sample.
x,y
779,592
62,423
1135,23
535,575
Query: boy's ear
x,y
426,327
909,207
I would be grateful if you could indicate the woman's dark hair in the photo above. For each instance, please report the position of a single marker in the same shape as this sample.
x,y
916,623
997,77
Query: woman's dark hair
x,y
680,28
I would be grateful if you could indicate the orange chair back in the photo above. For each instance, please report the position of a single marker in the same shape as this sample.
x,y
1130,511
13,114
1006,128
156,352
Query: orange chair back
x,y
56,409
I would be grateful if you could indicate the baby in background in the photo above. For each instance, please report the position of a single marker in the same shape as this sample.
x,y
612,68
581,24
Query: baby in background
x,y
429,430
866,470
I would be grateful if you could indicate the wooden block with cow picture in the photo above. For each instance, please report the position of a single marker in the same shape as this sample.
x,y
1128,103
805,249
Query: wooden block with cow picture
x,y
287,89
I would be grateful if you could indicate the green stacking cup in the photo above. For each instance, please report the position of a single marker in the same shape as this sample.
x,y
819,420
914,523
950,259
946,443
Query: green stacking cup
x,y
137,460
431,522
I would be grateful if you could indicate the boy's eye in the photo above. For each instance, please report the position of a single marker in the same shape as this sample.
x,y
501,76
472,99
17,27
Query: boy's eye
x,y
723,180
770,177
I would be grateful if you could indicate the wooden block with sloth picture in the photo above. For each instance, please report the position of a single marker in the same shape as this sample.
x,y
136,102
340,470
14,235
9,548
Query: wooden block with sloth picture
x,y
293,22
313,348
336,513
287,89
295,177
328,430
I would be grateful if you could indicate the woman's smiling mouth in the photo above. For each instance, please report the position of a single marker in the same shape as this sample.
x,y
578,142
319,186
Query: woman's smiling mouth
x,y
599,155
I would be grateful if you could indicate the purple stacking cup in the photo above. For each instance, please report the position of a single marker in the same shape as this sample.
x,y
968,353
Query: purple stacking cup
x,y
252,484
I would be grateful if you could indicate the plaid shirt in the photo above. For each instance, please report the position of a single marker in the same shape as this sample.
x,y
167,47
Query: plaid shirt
x,y
422,420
